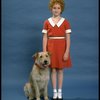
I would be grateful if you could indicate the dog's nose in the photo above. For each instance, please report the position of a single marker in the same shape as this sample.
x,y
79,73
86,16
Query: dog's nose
x,y
45,61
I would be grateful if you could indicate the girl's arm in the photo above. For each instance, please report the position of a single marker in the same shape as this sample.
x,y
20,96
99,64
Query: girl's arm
x,y
68,42
67,47
44,42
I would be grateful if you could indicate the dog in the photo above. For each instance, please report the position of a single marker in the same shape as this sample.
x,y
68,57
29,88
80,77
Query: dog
x,y
39,77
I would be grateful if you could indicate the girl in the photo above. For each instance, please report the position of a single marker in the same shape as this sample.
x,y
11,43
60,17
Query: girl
x,y
56,40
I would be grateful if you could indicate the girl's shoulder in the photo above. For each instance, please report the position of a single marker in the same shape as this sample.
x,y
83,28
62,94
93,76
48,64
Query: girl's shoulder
x,y
46,21
66,20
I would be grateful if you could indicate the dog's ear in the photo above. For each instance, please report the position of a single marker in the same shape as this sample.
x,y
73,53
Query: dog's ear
x,y
35,56
49,53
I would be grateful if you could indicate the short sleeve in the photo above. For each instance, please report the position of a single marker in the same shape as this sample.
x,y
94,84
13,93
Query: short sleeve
x,y
67,27
45,27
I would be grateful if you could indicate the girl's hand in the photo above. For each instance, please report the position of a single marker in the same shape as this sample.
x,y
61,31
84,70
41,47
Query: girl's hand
x,y
66,56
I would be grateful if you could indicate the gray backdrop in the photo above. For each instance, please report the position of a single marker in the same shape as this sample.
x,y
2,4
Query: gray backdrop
x,y
22,22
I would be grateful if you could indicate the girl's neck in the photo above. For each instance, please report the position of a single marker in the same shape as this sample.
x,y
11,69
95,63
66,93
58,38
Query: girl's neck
x,y
56,17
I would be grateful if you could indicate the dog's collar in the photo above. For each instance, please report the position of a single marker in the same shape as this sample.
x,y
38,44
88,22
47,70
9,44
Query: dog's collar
x,y
37,65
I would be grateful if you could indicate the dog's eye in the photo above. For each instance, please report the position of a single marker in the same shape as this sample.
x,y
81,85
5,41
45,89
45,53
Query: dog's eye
x,y
46,55
40,56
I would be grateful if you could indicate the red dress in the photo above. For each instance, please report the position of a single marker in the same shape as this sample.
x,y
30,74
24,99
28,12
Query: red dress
x,y
57,47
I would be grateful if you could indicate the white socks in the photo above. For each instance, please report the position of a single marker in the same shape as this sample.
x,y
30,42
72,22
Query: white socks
x,y
60,93
55,94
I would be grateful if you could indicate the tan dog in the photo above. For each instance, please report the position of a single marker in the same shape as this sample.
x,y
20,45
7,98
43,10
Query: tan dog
x,y
39,77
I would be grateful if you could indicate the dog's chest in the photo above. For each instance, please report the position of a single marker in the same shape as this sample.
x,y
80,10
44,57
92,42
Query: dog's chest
x,y
44,79
41,84
44,76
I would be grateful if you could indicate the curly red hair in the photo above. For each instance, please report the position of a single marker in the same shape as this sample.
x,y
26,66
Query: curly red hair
x,y
60,2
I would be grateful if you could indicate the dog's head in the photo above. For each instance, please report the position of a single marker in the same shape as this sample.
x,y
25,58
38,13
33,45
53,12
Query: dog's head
x,y
42,59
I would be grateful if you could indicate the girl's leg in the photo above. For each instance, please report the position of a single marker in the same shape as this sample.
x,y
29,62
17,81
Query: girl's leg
x,y
53,79
60,82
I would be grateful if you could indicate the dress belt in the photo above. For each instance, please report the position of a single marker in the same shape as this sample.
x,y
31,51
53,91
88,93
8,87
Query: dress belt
x,y
56,37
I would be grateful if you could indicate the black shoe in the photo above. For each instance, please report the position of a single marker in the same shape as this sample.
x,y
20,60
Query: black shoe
x,y
54,99
59,98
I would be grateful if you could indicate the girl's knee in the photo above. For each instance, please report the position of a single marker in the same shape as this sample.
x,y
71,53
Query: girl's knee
x,y
53,70
60,71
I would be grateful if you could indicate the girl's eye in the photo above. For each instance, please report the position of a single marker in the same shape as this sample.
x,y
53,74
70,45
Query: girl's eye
x,y
40,56
54,7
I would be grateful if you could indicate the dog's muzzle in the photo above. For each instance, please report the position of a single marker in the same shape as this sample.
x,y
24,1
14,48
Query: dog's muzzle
x,y
45,62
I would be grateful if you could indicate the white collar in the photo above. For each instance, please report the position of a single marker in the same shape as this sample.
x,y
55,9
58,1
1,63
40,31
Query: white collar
x,y
59,22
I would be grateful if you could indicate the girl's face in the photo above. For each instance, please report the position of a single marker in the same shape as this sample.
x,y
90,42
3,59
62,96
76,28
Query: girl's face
x,y
56,10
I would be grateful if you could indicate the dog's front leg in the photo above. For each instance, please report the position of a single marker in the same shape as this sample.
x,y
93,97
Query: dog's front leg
x,y
36,90
46,91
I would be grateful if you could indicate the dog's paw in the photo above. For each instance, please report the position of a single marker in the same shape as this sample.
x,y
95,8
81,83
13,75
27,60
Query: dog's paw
x,y
46,98
37,98
30,98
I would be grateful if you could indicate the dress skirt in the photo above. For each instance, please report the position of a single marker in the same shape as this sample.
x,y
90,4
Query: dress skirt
x,y
57,49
